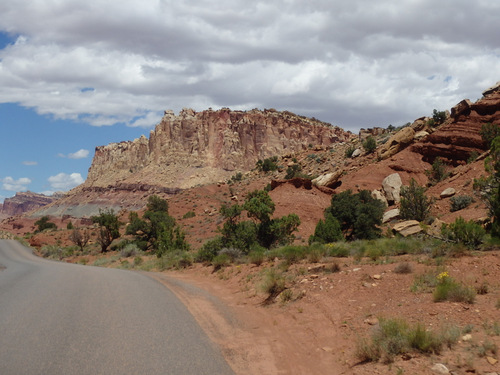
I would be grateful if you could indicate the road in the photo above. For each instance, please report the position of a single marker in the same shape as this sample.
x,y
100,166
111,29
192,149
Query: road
x,y
59,318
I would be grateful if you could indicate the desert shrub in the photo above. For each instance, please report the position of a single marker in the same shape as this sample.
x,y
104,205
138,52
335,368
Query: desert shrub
x,y
109,226
220,261
293,254
414,204
256,257
370,144
438,117
130,250
425,282
56,252
438,171
44,224
327,231
394,337
315,254
294,171
338,250
460,202
177,259
231,252
468,233
273,283
188,215
70,226
267,165
138,260
472,157
403,268
349,151
447,289
209,250
489,132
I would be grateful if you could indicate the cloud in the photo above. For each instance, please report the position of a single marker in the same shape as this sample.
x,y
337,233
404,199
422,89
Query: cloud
x,y
80,154
10,184
63,181
30,163
356,64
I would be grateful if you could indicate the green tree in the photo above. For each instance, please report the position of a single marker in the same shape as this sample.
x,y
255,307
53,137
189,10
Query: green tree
x,y
109,228
79,238
438,172
359,215
414,204
489,132
157,230
327,230
269,164
43,223
370,144
438,116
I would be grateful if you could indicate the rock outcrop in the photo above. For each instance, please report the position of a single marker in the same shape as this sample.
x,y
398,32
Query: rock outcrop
x,y
24,202
459,137
203,147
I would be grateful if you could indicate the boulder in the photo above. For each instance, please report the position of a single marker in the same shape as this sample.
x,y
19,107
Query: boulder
x,y
419,124
397,142
377,194
390,215
435,228
356,153
462,108
448,192
328,179
392,187
421,134
492,89
407,228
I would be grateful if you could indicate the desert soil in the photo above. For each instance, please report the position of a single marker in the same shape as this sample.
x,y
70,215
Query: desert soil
x,y
317,330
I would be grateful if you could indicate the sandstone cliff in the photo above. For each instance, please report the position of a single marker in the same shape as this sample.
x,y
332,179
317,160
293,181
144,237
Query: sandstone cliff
x,y
203,147
24,202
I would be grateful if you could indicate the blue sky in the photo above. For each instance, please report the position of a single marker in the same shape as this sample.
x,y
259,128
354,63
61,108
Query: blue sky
x,y
77,74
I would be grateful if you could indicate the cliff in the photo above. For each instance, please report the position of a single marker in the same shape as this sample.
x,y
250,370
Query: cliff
x,y
24,202
203,147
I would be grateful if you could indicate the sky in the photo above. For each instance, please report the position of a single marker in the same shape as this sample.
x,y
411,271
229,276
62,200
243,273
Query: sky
x,y
76,74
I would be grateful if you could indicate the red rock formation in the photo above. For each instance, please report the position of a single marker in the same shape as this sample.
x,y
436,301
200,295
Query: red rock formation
x,y
23,202
457,139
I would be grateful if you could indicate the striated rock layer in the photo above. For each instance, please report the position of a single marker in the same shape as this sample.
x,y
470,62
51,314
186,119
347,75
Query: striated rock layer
x,y
24,202
203,147
456,140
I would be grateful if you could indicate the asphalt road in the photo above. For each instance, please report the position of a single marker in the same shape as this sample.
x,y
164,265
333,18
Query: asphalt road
x,y
58,318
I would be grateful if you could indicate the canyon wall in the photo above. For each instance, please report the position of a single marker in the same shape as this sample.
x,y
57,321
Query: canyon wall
x,y
202,147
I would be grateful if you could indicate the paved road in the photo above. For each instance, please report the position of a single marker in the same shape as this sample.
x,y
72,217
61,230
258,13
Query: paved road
x,y
58,318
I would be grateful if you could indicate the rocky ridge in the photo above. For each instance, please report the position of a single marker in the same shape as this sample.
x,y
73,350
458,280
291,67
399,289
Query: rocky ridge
x,y
26,201
204,147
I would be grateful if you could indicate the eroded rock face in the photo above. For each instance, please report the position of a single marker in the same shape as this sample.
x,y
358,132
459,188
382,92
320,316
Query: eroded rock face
x,y
202,147
24,202
458,138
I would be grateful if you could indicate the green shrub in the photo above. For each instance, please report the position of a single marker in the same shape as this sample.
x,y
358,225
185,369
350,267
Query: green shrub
x,y
188,215
44,224
438,117
130,250
349,151
394,337
209,250
414,204
294,171
438,171
448,289
369,144
273,283
177,259
267,165
489,132
468,233
256,257
327,231
460,202
220,261
293,254
359,215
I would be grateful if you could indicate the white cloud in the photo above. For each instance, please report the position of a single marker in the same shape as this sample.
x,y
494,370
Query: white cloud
x,y
10,184
63,181
30,163
357,63
80,154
